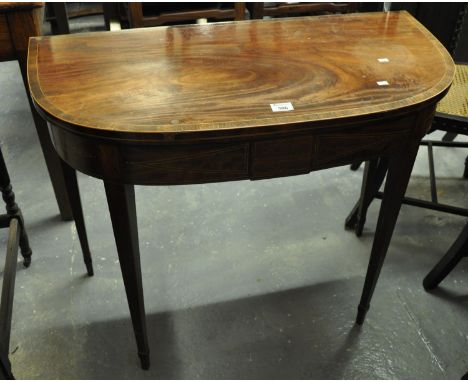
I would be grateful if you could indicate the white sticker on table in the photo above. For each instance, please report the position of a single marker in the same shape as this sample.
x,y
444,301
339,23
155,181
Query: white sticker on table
x,y
383,60
382,83
283,106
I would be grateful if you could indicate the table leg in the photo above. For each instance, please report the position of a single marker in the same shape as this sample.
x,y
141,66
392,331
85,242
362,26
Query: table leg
x,y
457,251
52,161
121,201
400,166
22,26
5,368
374,174
71,181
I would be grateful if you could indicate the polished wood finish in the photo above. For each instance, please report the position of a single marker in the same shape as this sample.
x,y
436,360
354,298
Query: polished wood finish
x,y
191,104
331,73
11,6
7,51
445,21
18,22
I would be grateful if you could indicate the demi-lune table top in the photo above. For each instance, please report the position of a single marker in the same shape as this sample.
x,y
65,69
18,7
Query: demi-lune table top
x,y
235,101
226,76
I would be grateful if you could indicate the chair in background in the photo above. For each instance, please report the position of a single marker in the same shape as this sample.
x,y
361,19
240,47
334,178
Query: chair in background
x,y
58,14
18,22
17,236
449,261
259,10
451,116
136,15
155,14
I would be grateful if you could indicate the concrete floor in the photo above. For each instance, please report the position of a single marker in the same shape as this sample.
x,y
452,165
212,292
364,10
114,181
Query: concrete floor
x,y
242,279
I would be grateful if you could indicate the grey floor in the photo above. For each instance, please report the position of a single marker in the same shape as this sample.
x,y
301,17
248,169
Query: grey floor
x,y
242,279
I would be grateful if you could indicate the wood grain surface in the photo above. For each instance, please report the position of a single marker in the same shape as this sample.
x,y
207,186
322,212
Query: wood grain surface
x,y
6,6
191,104
211,78
7,51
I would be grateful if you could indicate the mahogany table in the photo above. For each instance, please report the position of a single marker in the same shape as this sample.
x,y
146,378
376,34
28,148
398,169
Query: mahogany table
x,y
18,22
230,101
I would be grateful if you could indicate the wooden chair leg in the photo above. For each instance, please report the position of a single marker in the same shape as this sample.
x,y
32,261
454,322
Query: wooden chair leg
x,y
60,24
13,210
8,290
121,201
374,175
457,251
449,137
71,181
399,172
465,173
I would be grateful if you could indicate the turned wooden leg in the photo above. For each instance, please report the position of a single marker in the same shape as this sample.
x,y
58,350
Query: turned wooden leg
x,y
121,201
457,251
374,174
13,210
399,172
6,303
8,285
71,181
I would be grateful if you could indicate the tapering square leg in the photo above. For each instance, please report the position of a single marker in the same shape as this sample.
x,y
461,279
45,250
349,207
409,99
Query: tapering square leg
x,y
71,181
122,208
400,166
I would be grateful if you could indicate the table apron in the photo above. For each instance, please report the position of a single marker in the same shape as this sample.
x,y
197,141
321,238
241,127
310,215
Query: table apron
x,y
132,162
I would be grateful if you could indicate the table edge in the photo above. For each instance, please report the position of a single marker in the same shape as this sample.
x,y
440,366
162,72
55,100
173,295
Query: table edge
x,y
436,92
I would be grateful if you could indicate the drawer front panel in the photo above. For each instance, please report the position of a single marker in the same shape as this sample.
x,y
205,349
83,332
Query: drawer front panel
x,y
186,164
339,149
281,157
